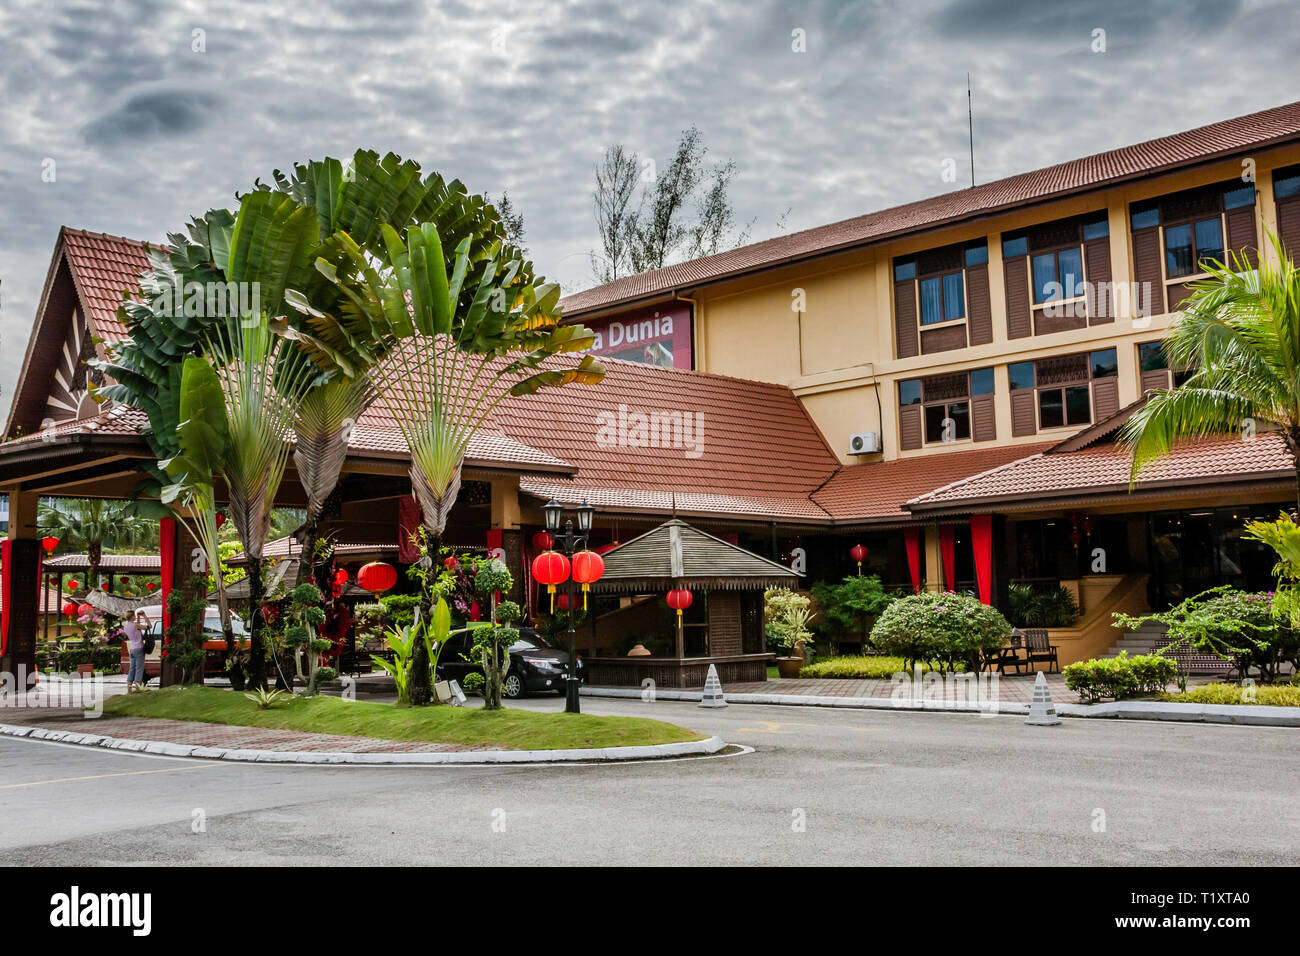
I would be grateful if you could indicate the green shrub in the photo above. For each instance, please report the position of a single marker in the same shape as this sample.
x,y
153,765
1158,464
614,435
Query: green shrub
x,y
946,629
1119,677
1028,606
399,609
847,609
1239,626
1280,695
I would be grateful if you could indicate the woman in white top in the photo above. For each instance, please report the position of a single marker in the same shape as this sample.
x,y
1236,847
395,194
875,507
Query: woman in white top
x,y
134,631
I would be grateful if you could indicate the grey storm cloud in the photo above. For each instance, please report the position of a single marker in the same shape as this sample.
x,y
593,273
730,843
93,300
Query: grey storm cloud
x,y
157,114
524,95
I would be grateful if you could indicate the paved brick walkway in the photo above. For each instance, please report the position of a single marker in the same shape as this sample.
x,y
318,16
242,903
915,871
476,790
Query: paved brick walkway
x,y
1012,689
198,734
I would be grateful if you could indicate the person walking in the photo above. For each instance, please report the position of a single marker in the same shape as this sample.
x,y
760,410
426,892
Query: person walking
x,y
134,631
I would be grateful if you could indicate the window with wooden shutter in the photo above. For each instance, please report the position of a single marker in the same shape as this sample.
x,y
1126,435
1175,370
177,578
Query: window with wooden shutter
x,y
1015,271
979,307
909,427
905,337
1096,262
1286,199
954,406
1147,271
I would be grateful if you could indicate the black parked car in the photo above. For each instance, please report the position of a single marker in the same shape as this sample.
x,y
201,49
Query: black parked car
x,y
535,666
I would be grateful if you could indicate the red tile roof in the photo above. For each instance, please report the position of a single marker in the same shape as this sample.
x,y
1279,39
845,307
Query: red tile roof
x,y
103,267
1203,144
1103,470
878,491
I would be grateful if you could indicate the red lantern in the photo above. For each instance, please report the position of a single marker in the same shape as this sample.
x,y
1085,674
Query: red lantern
x,y
1089,522
542,541
450,563
73,585
70,609
221,519
49,544
550,568
85,609
562,601
588,566
104,586
124,579
341,576
859,554
377,576
150,586
1076,536
679,599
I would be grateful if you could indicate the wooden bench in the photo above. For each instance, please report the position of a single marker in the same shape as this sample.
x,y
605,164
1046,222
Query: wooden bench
x,y
1039,649
1005,655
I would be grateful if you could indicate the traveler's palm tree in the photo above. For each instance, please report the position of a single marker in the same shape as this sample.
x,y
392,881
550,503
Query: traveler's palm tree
x,y
93,524
1239,337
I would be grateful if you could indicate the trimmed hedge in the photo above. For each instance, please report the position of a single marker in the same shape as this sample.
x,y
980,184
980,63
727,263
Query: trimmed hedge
x,y
1276,695
856,667
945,629
1120,677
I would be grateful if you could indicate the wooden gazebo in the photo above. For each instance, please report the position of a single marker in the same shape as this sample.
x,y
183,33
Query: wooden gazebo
x,y
723,626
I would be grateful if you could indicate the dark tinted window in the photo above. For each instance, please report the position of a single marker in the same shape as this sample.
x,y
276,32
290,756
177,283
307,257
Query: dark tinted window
x,y
1015,246
1151,356
1178,250
909,392
1021,374
904,270
981,381
1104,363
1287,186
977,255
1097,228
1050,412
1078,409
1242,196
1144,218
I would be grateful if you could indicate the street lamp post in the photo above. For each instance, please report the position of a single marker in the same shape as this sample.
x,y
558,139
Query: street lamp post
x,y
569,542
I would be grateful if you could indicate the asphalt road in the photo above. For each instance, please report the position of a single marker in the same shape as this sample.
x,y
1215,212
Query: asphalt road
x,y
821,786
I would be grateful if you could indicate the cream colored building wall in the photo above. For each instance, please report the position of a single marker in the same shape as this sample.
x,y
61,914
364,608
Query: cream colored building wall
x,y
837,354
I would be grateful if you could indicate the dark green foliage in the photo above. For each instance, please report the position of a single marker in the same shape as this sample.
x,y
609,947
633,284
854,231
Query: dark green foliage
x,y
1031,607
946,629
1119,677
847,609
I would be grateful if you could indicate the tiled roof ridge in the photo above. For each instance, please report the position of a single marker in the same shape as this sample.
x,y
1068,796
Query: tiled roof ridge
x,y
978,475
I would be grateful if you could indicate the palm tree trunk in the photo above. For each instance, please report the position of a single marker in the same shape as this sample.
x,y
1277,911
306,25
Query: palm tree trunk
x,y
256,645
94,554
421,677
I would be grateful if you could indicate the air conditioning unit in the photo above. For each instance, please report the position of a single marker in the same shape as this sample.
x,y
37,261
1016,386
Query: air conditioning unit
x,y
864,443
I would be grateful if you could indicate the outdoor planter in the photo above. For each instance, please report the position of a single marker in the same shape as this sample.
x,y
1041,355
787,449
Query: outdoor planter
x,y
85,669
789,666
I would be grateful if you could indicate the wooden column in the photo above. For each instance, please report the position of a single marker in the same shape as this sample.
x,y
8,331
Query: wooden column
x,y
21,582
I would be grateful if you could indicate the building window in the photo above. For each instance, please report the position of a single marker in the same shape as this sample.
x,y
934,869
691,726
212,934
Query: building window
x,y
1152,360
1064,383
1189,245
1058,275
942,298
946,400
1287,185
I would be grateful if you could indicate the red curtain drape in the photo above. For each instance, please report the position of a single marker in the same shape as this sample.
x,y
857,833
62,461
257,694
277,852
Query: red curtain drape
x,y
948,554
981,538
167,564
913,538
6,592
408,522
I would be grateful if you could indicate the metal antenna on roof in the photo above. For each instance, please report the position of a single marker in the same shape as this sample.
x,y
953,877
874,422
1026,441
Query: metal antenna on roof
x,y
970,126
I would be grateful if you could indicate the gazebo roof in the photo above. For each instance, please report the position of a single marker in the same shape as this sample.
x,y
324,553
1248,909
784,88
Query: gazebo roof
x,y
676,553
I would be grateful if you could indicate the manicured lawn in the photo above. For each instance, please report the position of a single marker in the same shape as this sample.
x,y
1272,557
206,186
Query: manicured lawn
x,y
856,666
510,729
1277,695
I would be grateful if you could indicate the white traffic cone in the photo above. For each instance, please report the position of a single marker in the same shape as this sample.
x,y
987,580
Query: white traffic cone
x,y
713,690
1042,712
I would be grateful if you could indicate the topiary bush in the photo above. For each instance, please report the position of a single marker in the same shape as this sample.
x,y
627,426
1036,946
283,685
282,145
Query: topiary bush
x,y
1119,677
945,629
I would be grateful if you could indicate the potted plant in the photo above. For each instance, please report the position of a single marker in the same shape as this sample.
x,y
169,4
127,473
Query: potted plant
x,y
788,614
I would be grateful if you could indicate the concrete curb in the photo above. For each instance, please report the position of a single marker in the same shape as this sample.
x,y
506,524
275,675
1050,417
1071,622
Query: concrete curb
x,y
1241,714
695,748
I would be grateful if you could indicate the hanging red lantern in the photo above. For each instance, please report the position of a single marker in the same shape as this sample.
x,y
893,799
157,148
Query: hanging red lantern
x,y
124,579
679,599
73,585
221,519
105,586
150,586
49,544
551,568
859,554
341,576
1076,536
1089,522
450,563
542,541
562,601
70,609
377,576
588,566
85,609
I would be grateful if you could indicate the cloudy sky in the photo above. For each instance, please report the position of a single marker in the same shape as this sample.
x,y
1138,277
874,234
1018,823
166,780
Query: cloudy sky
x,y
152,111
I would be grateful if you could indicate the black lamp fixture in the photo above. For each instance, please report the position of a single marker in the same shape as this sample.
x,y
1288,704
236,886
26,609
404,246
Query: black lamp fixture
x,y
553,511
585,515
